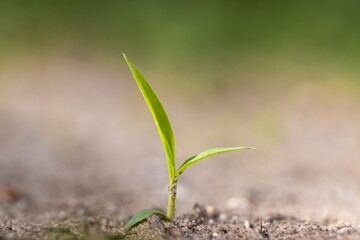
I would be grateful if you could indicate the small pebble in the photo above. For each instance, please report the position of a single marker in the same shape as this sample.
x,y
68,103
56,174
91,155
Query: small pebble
x,y
247,224
232,203
210,210
236,202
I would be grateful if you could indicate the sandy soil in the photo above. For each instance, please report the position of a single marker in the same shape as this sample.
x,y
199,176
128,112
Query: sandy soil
x,y
80,155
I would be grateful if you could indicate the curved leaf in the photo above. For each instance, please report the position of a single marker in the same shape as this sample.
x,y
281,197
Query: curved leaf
x,y
206,154
142,215
161,119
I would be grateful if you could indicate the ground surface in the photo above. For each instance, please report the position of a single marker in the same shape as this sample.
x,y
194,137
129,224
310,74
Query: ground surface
x,y
80,155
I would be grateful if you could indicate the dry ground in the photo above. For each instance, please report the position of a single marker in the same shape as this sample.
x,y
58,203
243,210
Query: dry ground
x,y
80,154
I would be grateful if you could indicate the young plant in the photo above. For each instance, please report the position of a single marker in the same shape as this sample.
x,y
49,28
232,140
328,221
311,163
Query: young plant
x,y
167,139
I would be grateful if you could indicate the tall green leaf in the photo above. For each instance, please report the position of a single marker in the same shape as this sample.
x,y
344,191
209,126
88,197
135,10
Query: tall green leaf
x,y
142,215
161,119
206,154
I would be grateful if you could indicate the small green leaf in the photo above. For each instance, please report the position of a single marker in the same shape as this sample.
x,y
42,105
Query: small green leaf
x,y
161,119
142,215
206,154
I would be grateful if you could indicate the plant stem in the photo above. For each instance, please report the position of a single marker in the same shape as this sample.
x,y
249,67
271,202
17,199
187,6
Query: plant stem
x,y
172,198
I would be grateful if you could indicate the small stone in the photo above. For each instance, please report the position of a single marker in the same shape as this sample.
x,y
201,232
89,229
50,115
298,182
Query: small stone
x,y
222,217
210,210
206,211
236,202
215,234
232,203
246,224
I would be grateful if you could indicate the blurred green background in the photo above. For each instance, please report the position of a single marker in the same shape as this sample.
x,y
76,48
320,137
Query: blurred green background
x,y
185,37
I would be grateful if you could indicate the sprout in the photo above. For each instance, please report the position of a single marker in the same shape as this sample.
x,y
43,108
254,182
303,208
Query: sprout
x,y
167,138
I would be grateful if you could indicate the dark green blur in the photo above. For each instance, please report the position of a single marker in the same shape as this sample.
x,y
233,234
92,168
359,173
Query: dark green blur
x,y
177,34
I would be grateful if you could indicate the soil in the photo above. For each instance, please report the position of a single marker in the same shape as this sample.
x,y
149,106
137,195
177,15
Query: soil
x,y
205,222
80,156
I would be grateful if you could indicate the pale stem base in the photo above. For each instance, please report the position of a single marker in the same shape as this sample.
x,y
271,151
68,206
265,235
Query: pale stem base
x,y
172,198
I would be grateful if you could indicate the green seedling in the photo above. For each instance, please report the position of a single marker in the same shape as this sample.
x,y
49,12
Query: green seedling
x,y
167,138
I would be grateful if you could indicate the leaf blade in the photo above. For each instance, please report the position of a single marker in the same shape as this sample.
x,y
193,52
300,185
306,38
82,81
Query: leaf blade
x,y
159,115
142,215
205,154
